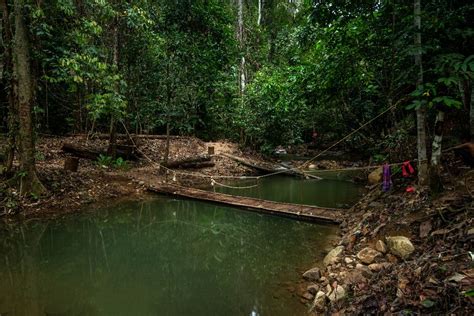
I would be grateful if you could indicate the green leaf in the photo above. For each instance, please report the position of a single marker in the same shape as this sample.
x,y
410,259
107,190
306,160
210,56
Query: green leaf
x,y
469,293
428,303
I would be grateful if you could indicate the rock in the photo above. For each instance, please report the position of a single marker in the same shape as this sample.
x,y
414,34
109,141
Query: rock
x,y
319,303
368,255
337,294
333,256
308,296
376,176
348,260
141,183
381,246
470,231
364,270
313,274
400,246
391,258
375,267
323,281
312,166
313,289
352,277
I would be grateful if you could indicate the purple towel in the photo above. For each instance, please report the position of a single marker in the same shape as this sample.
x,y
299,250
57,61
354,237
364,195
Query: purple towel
x,y
387,178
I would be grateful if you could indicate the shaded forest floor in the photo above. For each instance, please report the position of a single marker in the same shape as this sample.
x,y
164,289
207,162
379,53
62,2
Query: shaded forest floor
x,y
96,184
99,184
364,276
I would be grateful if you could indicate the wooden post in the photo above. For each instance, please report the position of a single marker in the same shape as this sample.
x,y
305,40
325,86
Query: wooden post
x,y
71,164
210,150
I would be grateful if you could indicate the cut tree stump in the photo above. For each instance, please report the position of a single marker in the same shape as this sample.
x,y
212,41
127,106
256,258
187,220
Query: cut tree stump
x,y
71,164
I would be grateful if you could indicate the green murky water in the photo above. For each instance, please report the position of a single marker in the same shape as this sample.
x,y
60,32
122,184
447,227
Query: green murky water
x,y
165,257
326,192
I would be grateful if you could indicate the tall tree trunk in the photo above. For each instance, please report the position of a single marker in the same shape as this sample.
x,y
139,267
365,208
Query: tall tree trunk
x,y
471,112
260,10
112,151
423,176
8,80
24,93
435,172
466,89
240,37
167,147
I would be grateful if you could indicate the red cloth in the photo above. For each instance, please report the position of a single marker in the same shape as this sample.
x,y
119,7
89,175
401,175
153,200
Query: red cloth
x,y
407,169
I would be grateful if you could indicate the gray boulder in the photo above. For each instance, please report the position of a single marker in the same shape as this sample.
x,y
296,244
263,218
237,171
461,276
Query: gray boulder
x,y
400,246
313,274
368,255
333,256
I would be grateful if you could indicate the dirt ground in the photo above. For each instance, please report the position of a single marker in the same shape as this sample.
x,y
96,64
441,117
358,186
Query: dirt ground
x,y
94,183
437,278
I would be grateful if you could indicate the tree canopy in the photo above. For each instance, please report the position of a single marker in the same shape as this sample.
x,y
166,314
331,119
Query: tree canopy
x,y
325,66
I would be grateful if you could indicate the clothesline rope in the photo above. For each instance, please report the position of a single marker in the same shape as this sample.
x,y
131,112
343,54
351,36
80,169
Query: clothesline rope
x,y
298,168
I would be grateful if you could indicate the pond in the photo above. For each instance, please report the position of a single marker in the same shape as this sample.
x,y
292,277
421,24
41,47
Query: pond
x,y
326,193
163,257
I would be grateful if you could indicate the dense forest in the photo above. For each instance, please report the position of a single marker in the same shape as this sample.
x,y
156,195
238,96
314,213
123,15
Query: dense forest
x,y
264,73
368,105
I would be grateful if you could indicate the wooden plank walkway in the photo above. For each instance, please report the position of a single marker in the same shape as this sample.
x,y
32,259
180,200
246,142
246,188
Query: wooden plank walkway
x,y
299,211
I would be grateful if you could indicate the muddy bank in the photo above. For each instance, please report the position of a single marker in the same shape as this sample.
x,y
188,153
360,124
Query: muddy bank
x,y
97,182
400,253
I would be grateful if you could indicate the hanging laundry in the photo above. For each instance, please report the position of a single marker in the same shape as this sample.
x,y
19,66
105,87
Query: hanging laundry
x,y
387,178
410,189
407,169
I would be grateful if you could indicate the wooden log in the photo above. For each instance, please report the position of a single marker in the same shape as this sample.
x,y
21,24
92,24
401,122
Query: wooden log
x,y
197,165
134,136
266,168
188,161
80,151
71,164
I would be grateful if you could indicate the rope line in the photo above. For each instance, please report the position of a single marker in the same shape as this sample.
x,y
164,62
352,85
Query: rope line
x,y
214,182
348,135
191,174
298,168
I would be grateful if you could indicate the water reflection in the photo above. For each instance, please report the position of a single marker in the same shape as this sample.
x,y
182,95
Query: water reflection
x,y
161,257
326,193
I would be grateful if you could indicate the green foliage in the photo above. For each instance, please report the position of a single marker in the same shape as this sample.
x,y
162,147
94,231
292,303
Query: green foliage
x,y
323,65
427,303
109,162
469,293
121,164
105,161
